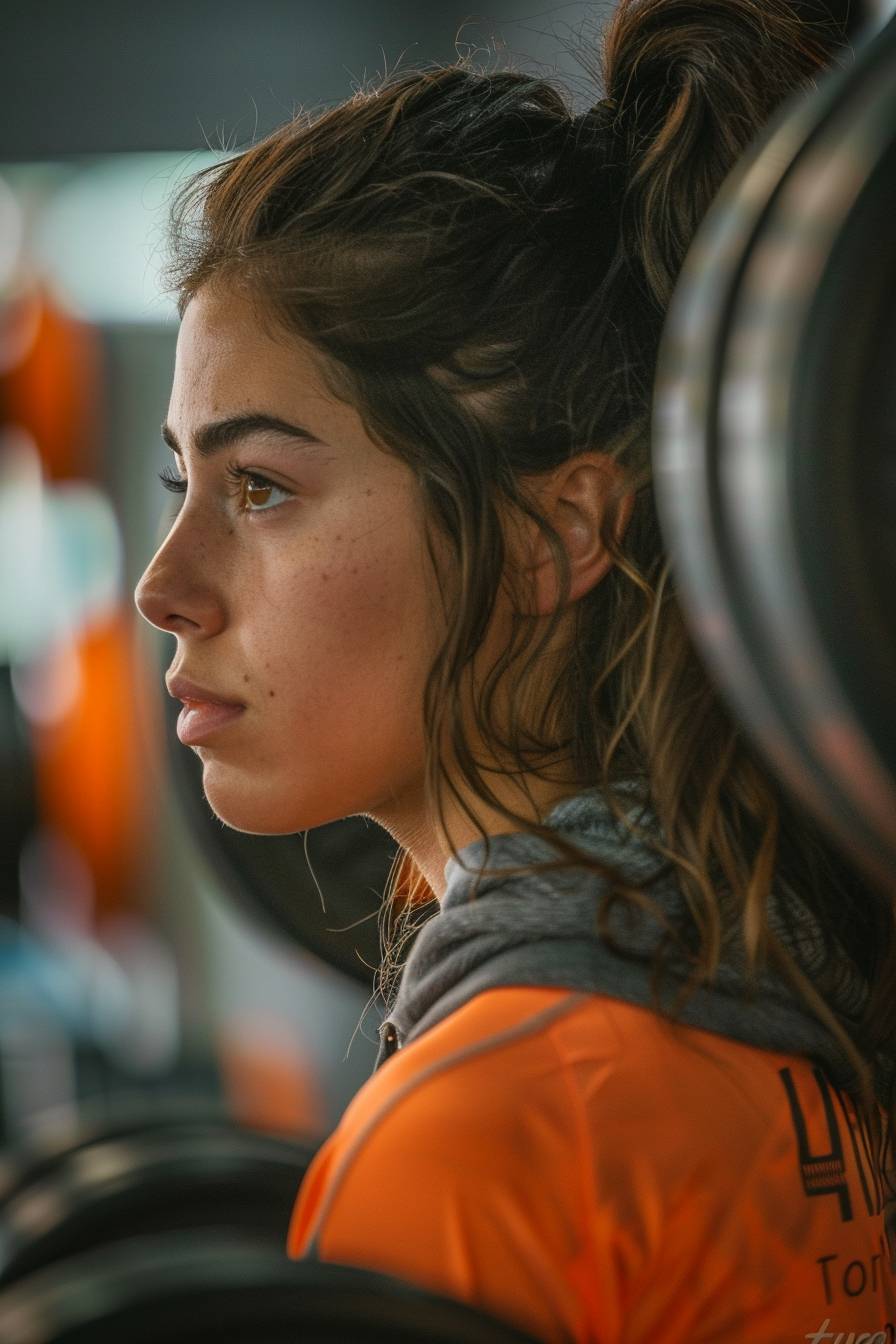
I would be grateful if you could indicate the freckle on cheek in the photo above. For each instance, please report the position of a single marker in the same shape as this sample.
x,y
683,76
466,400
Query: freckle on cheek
x,y
271,694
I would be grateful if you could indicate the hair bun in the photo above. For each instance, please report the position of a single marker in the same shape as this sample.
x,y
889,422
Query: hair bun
x,y
692,84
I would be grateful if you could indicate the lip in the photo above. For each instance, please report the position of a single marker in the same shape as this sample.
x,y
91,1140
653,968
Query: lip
x,y
181,688
199,720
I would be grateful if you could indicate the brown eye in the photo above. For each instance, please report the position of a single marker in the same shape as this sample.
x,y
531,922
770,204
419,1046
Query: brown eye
x,y
255,492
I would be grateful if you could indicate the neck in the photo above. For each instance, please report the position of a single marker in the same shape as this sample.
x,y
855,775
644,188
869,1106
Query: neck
x,y
430,844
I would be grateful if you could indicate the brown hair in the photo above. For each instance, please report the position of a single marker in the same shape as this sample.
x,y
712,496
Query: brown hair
x,y
486,277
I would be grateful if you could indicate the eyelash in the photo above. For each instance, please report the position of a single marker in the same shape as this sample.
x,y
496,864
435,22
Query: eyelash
x,y
235,475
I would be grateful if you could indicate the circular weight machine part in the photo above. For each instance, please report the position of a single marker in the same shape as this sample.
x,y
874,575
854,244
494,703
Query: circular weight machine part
x,y
200,1179
228,1291
269,875
774,451
44,1151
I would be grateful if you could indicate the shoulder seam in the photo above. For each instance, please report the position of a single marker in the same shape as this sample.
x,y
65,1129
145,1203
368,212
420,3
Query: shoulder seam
x,y
520,1029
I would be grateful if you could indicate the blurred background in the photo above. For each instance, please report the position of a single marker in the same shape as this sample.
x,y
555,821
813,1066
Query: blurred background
x,y
144,950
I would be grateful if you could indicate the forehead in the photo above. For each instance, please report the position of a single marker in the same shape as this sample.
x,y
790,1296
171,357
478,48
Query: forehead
x,y
230,358
222,331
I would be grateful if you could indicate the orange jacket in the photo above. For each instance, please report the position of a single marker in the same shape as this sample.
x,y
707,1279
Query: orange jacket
x,y
547,1147
591,1172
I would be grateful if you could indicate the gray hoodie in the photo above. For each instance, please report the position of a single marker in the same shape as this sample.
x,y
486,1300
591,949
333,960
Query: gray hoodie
x,y
541,931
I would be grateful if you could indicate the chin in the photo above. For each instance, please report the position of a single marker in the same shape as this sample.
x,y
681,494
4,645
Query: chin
x,y
262,811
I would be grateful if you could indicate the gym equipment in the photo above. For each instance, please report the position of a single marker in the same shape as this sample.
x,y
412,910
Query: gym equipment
x,y
225,1290
773,449
53,1143
200,1175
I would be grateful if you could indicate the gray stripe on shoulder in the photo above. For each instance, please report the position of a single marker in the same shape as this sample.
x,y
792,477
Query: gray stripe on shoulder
x,y
517,1031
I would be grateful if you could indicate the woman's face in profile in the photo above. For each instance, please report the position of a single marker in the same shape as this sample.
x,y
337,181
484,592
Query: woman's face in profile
x,y
305,596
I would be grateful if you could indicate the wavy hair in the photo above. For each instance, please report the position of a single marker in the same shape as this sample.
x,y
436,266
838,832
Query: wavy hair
x,y
486,276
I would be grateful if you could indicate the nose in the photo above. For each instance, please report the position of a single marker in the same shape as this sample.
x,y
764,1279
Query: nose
x,y
175,598
154,602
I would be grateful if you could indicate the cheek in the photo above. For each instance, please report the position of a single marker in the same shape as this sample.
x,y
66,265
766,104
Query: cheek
x,y
361,626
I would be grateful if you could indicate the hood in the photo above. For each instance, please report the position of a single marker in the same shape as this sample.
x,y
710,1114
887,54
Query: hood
x,y
540,931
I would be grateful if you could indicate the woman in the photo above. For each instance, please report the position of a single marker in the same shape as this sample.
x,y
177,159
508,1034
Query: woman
x,y
633,1081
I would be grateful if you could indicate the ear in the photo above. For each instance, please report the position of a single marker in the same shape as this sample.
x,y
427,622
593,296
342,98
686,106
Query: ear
x,y
576,498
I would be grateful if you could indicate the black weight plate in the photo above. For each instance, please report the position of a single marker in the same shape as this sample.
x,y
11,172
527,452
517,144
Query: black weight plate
x,y
51,1147
228,1291
152,1183
705,490
791,460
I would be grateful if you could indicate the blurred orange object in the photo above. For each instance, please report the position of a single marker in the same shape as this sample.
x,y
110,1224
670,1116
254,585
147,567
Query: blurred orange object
x,y
269,1078
90,764
90,760
54,388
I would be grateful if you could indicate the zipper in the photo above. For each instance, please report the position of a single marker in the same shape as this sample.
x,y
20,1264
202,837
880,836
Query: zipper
x,y
389,1037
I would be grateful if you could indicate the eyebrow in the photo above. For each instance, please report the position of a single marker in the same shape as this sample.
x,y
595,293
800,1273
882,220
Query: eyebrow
x,y
217,434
